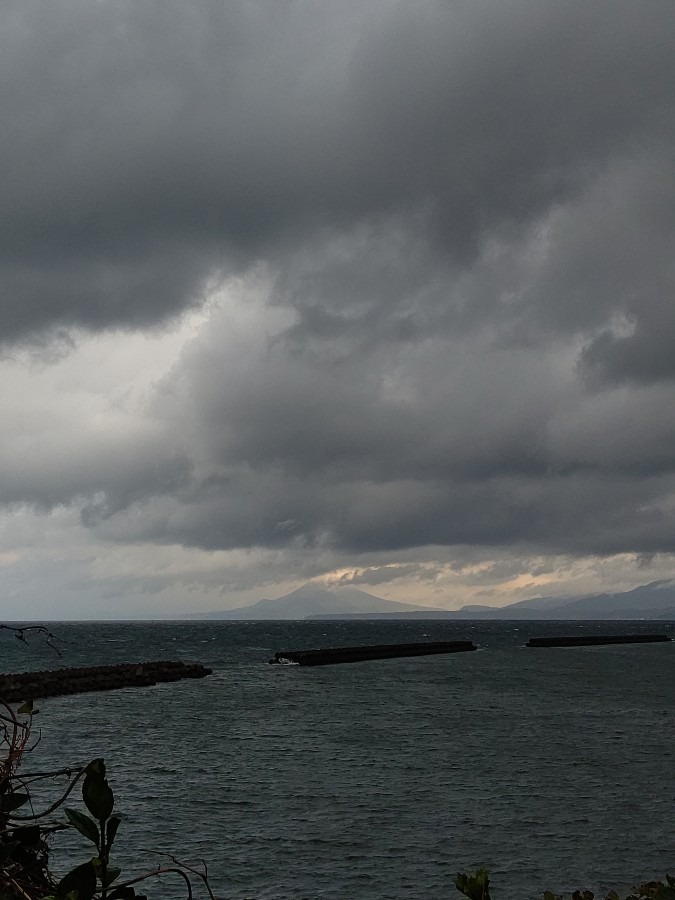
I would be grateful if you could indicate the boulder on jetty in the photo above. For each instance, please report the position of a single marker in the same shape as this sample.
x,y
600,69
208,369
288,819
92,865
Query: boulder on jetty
x,y
331,655
17,687
590,640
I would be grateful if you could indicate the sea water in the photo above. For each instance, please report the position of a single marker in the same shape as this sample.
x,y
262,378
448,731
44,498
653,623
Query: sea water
x,y
551,767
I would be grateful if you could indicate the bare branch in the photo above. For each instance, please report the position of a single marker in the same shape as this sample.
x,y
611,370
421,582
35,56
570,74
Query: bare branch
x,y
162,870
203,874
55,805
20,632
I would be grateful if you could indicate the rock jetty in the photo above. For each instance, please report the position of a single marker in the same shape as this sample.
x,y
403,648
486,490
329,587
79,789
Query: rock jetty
x,y
330,655
590,640
15,688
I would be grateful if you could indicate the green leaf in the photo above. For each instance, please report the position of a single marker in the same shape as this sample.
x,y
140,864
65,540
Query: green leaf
x,y
474,886
97,796
96,767
27,709
10,802
84,825
81,880
124,893
111,829
112,872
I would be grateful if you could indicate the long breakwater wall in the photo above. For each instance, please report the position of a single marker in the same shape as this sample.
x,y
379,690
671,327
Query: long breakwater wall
x,y
325,656
17,687
332,655
591,640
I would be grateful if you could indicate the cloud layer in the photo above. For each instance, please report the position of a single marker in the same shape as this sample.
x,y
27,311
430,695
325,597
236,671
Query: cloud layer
x,y
428,253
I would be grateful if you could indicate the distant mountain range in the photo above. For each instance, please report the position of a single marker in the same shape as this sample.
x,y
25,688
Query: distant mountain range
x,y
650,601
312,600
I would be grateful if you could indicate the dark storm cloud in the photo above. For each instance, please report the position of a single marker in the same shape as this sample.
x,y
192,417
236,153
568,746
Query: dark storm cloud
x,y
577,513
460,219
447,443
150,147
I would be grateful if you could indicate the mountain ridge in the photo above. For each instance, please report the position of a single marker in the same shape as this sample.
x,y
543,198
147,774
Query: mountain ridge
x,y
652,601
648,601
314,601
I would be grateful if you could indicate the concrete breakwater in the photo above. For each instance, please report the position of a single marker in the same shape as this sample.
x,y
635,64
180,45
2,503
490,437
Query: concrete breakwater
x,y
591,640
332,655
325,656
17,687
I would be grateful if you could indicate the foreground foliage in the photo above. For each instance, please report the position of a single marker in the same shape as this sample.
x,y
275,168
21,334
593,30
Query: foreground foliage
x,y
25,873
476,886
24,852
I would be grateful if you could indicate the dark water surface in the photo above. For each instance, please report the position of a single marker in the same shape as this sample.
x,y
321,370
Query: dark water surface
x,y
552,767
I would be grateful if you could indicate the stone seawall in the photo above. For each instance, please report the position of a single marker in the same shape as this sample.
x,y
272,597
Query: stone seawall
x,y
15,688
326,656
590,640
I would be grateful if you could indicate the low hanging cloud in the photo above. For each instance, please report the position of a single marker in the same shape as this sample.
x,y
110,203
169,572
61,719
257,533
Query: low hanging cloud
x,y
431,249
438,443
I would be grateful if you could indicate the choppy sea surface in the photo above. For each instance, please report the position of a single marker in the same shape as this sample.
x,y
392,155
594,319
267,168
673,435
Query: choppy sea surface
x,y
554,768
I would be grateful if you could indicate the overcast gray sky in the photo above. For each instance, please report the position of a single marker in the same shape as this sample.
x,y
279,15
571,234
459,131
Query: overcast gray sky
x,y
367,291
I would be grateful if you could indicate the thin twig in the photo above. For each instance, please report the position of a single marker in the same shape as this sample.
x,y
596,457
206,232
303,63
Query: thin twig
x,y
20,889
33,776
54,805
19,632
203,876
160,870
